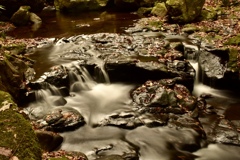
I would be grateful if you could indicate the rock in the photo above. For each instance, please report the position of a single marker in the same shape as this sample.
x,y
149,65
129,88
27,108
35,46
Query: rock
x,y
122,66
208,14
166,98
22,16
11,6
16,131
159,10
49,141
13,68
184,11
79,5
60,120
219,68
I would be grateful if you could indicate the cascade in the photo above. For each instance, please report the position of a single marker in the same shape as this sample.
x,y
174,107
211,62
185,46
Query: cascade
x,y
96,101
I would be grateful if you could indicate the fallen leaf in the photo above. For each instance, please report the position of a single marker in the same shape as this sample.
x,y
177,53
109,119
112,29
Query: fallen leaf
x,y
5,152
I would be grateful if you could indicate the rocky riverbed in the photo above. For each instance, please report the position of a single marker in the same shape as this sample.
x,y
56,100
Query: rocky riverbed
x,y
133,95
157,105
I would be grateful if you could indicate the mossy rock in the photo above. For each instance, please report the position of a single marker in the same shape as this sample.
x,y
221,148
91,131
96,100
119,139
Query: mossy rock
x,y
159,10
12,73
184,11
22,16
17,136
209,14
233,41
189,28
233,60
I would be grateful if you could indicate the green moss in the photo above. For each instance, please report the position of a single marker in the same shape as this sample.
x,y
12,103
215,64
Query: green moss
x,y
159,10
16,48
210,14
233,60
16,132
156,24
233,41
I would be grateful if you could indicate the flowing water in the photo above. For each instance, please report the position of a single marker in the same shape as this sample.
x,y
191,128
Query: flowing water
x,y
96,101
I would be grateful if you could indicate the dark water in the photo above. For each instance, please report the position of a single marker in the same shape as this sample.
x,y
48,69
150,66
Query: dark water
x,y
55,24
58,25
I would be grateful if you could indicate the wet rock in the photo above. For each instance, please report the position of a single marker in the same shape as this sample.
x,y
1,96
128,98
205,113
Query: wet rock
x,y
131,120
117,55
214,70
185,121
49,141
60,120
224,132
176,99
57,76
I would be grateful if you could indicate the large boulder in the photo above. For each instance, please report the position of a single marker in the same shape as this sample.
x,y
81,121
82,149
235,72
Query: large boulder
x,y
184,11
23,17
79,5
14,68
11,6
17,136
159,10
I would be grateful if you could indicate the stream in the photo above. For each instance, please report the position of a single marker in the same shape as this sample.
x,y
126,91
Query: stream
x,y
95,100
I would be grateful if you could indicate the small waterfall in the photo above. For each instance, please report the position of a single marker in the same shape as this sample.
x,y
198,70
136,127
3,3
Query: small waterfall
x,y
92,99
99,66
81,79
199,87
